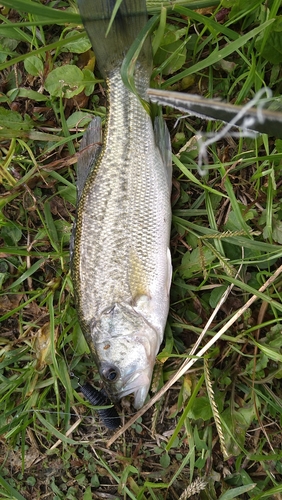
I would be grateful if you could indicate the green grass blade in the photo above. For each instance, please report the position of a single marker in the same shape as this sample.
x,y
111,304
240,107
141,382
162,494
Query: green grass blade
x,y
29,272
55,431
185,412
160,31
49,13
234,492
14,494
41,50
217,55
128,65
154,6
115,9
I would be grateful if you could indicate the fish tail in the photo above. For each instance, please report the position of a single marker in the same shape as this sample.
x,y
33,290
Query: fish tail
x,y
110,48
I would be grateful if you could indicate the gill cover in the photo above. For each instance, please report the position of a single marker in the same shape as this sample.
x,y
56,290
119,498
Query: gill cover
x,y
125,349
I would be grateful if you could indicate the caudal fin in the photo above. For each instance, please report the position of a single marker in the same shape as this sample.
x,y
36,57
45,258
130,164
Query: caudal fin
x,y
128,22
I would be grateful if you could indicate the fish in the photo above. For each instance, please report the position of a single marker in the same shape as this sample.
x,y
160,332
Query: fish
x,y
120,257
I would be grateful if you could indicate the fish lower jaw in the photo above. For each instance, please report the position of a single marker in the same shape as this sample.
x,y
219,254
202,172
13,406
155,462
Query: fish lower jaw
x,y
139,386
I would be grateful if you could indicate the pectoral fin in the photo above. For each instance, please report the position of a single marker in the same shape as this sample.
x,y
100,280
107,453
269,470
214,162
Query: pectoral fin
x,y
137,277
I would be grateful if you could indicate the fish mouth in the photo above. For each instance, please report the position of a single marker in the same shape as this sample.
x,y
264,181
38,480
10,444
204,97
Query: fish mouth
x,y
138,384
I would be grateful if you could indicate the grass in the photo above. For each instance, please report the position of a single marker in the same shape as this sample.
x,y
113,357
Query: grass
x,y
216,433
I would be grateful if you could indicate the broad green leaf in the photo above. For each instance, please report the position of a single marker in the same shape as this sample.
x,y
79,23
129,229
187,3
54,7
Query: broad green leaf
x,y
68,193
87,494
216,295
4,53
278,145
270,353
27,93
7,47
79,340
237,422
78,46
171,57
234,223
89,81
79,119
272,50
65,81
63,230
277,231
34,65
13,120
11,234
201,409
240,7
165,460
200,444
42,50
194,262
11,35
258,365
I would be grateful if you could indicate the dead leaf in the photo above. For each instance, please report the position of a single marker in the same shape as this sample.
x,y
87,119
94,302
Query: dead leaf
x,y
9,302
43,346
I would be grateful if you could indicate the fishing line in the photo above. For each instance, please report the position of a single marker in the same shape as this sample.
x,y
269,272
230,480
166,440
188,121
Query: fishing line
x,y
248,123
247,118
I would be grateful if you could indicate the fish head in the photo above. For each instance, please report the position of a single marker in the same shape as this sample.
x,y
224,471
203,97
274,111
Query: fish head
x,y
125,346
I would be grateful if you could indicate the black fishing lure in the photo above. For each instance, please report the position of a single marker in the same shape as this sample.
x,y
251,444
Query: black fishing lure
x,y
109,416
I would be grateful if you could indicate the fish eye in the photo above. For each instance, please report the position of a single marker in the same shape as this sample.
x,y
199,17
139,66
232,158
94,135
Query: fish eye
x,y
110,374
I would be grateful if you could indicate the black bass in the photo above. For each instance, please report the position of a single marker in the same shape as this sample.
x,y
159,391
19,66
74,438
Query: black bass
x,y
121,264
